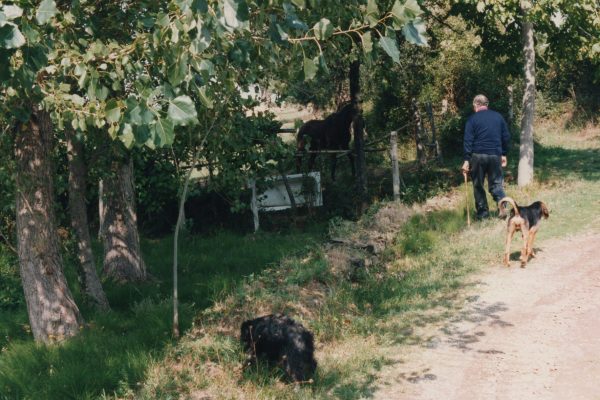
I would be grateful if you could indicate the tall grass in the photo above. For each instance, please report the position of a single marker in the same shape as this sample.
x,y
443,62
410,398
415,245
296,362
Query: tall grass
x,y
112,353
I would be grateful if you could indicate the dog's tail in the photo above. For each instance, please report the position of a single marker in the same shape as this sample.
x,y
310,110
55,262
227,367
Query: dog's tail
x,y
511,202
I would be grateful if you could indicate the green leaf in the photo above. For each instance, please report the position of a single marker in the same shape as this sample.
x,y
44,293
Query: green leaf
x,y
46,11
182,111
389,45
200,6
127,136
176,72
102,93
184,5
323,29
31,35
113,131
201,42
405,12
77,100
299,3
205,98
12,12
163,20
372,13
164,132
35,57
235,12
310,69
283,36
322,64
11,37
113,111
367,42
174,34
415,32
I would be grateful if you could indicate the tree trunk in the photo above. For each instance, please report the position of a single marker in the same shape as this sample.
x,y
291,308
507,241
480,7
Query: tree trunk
x,y
122,255
421,156
358,128
87,269
525,173
53,314
511,108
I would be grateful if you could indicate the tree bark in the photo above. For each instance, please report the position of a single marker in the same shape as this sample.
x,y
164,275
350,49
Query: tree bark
x,y
358,128
525,172
122,255
77,208
53,314
421,156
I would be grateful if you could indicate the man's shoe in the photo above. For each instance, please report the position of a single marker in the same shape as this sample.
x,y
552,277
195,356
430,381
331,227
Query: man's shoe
x,y
482,216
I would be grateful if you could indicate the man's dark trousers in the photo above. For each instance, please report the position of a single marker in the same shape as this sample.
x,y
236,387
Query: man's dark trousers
x,y
483,165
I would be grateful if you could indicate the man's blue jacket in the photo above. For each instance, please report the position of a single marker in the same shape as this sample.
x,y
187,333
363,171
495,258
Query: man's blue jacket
x,y
486,133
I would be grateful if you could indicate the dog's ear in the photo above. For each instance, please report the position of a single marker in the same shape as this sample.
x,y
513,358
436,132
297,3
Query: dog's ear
x,y
545,210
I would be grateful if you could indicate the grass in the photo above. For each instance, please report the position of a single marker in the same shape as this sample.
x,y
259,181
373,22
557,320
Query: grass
x,y
360,321
420,280
112,354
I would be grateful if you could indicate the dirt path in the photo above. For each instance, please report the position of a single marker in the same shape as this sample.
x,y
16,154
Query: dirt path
x,y
531,333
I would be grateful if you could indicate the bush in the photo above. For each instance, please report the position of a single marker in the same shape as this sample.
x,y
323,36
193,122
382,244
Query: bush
x,y
11,294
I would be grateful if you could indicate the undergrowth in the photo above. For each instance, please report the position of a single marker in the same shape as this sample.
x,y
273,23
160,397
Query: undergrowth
x,y
360,319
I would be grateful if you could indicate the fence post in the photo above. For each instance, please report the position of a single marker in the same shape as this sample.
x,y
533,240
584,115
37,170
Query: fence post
x,y
438,152
395,167
418,133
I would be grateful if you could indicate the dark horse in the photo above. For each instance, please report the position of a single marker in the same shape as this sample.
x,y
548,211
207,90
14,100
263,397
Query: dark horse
x,y
332,133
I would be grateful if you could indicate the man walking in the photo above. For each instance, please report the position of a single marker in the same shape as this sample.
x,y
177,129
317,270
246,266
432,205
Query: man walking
x,y
486,143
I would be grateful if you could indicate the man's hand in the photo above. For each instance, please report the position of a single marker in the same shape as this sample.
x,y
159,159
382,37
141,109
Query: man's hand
x,y
504,161
465,168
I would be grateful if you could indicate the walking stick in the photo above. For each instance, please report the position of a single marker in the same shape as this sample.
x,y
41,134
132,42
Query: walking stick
x,y
467,199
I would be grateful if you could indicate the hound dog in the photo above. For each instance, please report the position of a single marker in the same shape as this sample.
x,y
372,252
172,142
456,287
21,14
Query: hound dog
x,y
527,220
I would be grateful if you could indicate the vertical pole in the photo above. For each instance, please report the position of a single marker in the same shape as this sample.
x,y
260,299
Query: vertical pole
x,y
438,152
511,110
100,209
467,199
359,141
395,167
418,133
254,206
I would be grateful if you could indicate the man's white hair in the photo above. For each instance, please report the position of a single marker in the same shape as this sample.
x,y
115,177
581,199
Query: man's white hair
x,y
480,100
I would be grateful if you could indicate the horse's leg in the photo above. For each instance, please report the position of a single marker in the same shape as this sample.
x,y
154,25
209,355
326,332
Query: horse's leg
x,y
351,158
311,162
299,151
298,163
333,164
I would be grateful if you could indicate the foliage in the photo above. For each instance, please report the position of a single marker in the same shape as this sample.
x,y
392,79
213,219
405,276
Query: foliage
x,y
11,294
178,57
7,191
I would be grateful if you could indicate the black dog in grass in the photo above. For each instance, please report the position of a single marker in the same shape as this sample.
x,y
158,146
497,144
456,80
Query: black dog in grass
x,y
282,341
